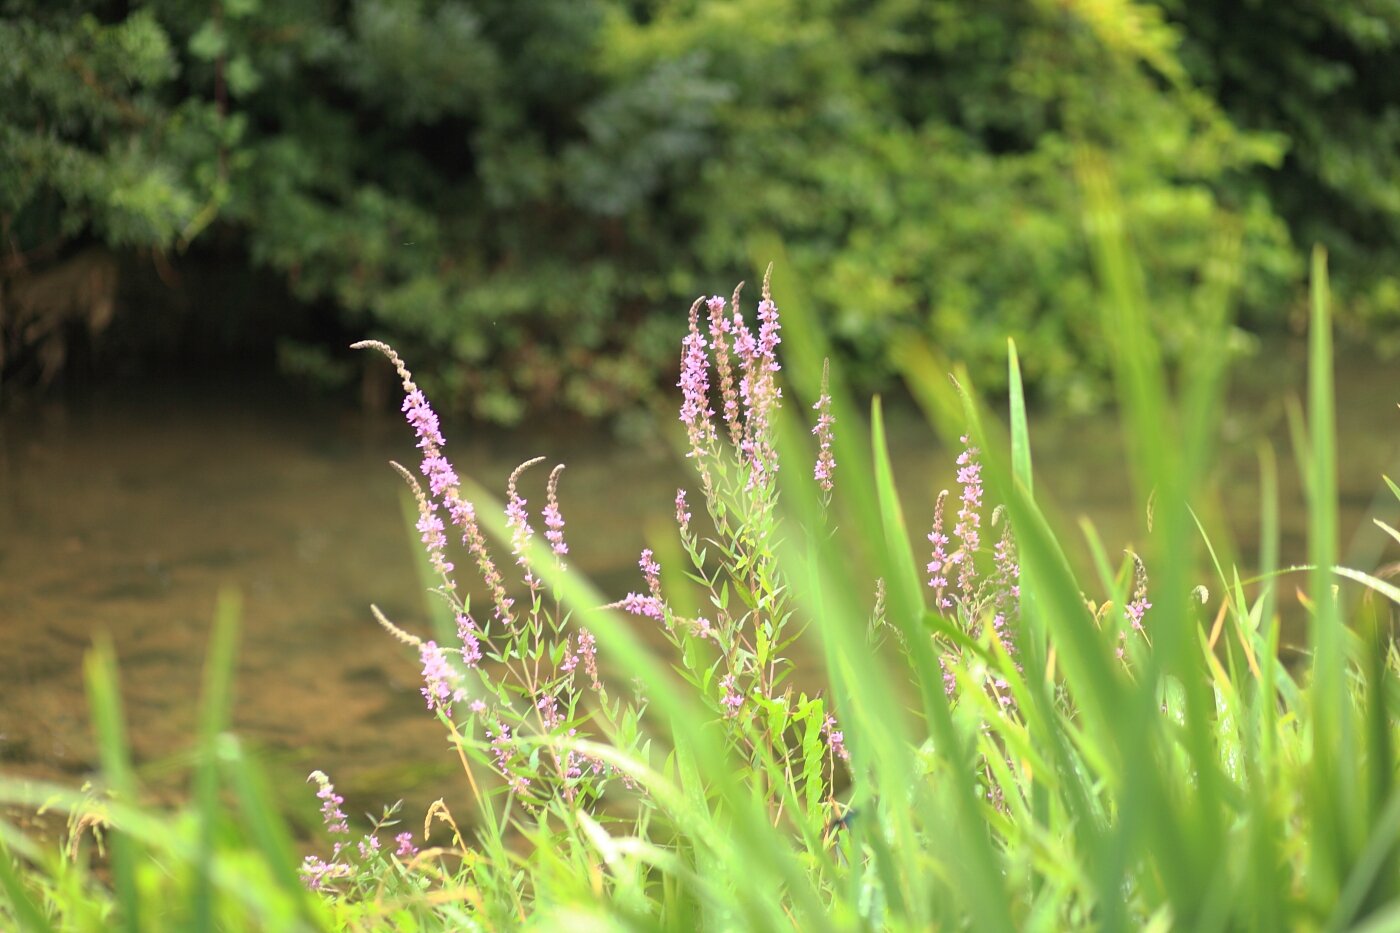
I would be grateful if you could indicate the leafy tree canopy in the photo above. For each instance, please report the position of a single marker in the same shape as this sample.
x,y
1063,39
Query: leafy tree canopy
x,y
528,191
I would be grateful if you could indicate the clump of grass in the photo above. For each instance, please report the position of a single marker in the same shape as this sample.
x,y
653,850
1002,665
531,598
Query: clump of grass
x,y
983,746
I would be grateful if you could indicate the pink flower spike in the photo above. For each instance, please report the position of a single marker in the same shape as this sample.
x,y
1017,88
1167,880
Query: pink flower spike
x,y
652,571
442,686
732,700
825,466
835,739
682,512
334,817
470,638
694,384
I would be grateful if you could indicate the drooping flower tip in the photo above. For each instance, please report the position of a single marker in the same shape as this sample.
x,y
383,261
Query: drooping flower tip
x,y
517,519
553,520
695,412
331,814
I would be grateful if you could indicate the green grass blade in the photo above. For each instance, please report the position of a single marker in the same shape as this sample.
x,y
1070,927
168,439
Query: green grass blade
x,y
104,700
29,916
1020,430
214,714
263,822
1378,854
1332,746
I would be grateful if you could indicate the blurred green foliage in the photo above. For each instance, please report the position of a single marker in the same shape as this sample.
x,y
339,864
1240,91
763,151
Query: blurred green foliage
x,y
528,191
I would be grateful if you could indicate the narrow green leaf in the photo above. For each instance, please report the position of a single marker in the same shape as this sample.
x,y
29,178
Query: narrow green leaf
x,y
104,699
1020,430
28,914
218,699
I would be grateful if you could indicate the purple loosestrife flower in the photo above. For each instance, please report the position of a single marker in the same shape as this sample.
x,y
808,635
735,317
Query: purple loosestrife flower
x,y
758,389
553,520
729,395
503,752
835,739
652,571
463,515
442,686
732,700
442,478
430,527
938,564
746,349
1137,607
518,520
318,874
477,707
826,461
768,338
967,529
572,764
406,847
1006,590
550,717
588,651
652,606
470,638
1008,570
421,415
369,847
639,605
950,682
682,512
331,814
694,384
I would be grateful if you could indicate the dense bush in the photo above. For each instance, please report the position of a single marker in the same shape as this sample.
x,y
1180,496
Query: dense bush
x,y
506,189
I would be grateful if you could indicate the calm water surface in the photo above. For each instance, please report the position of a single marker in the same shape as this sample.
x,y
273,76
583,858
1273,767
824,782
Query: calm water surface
x,y
126,516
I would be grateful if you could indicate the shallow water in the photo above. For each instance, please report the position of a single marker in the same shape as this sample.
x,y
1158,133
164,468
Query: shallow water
x,y
127,514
